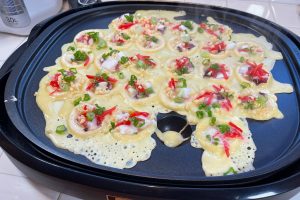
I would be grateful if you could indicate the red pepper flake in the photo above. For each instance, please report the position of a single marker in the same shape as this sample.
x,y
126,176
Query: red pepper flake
x,y
126,25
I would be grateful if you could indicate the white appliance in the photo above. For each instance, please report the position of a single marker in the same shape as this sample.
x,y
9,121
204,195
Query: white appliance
x,y
38,10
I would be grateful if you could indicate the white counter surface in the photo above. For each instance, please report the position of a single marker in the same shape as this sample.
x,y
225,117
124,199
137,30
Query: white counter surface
x,y
15,185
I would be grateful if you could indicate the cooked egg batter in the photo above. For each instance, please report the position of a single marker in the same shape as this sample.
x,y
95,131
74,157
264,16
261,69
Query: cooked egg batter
x,y
102,96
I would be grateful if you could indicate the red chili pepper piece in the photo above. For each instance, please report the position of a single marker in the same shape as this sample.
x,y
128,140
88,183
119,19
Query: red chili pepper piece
x,y
139,87
224,141
86,62
172,84
256,70
221,69
235,127
137,113
205,94
208,30
125,122
126,25
145,59
218,88
54,83
221,46
176,27
226,148
226,104
101,117
246,98
181,62
119,41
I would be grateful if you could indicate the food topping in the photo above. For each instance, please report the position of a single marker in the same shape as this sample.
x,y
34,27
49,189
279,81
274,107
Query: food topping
x,y
218,71
138,90
254,72
100,83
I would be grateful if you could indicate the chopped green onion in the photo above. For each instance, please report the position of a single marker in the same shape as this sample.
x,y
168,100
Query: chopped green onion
x,y
61,129
212,121
113,126
200,30
215,105
71,48
202,106
200,114
141,64
80,56
261,101
73,70
153,20
216,141
205,55
105,76
86,97
94,36
149,90
188,24
64,86
132,80
99,110
245,85
151,38
121,75
178,100
224,128
206,61
90,116
101,44
242,59
208,137
183,70
112,51
209,113
123,60
125,36
129,17
181,83
137,122
77,101
214,66
230,171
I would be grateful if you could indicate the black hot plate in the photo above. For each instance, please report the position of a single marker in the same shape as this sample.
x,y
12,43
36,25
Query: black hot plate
x,y
277,140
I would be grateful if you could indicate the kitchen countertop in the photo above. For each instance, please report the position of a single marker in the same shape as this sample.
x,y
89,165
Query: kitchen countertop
x,y
15,185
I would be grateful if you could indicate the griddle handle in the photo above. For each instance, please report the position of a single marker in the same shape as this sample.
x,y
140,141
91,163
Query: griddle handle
x,y
37,29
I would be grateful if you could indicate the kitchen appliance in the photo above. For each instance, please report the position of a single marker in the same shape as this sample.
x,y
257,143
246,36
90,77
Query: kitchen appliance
x,y
20,16
27,145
